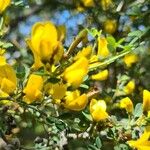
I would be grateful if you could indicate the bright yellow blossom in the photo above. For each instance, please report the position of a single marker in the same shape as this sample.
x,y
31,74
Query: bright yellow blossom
x,y
2,60
101,76
98,110
102,47
61,31
33,89
106,4
85,52
127,104
44,44
130,59
8,80
57,91
129,88
146,100
110,26
75,101
4,4
88,3
75,73
143,143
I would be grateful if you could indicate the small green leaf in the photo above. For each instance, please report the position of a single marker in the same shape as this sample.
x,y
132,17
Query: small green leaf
x,y
88,116
121,147
111,44
136,33
53,80
20,71
94,32
138,111
98,142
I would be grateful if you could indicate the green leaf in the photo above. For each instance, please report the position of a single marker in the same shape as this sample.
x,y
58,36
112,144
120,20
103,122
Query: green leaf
x,y
94,32
98,142
7,45
138,111
111,44
84,86
53,80
58,123
136,33
121,147
20,71
88,116
92,147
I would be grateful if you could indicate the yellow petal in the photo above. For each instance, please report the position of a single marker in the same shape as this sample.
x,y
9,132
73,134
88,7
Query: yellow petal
x,y
33,88
7,86
129,88
102,47
143,142
106,4
4,4
102,75
127,104
85,52
61,31
57,91
8,80
146,100
130,59
110,26
98,110
74,101
2,60
75,73
88,3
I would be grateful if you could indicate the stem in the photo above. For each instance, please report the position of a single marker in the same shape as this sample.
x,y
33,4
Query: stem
x,y
76,41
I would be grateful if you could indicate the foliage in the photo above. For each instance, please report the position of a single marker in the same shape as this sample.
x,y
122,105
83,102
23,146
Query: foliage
x,y
79,79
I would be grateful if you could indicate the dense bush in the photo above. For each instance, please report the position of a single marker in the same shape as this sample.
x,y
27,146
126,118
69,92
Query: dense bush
x,y
74,74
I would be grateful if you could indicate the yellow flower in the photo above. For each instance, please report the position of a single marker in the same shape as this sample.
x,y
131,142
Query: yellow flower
x,y
57,91
75,101
143,142
8,80
106,4
94,61
2,60
146,100
61,30
110,26
129,88
101,76
98,110
127,104
85,52
33,89
130,59
75,73
4,4
3,94
88,3
44,44
102,47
